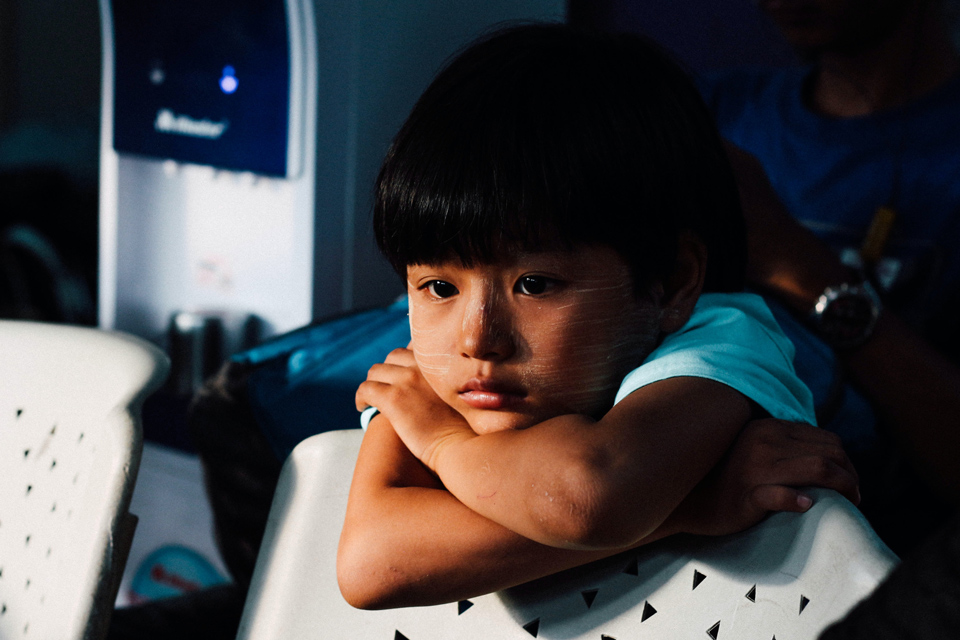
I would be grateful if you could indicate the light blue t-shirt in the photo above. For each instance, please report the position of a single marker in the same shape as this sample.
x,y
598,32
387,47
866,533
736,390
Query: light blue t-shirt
x,y
731,338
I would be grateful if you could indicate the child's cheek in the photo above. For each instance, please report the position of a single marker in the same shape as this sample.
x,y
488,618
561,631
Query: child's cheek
x,y
427,343
587,348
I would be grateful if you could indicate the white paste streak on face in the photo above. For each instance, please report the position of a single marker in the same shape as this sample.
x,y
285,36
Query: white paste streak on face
x,y
568,348
432,364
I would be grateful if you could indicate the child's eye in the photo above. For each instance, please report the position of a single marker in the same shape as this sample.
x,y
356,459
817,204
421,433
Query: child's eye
x,y
440,289
534,285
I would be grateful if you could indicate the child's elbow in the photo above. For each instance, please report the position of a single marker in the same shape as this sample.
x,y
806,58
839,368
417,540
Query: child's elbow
x,y
352,585
360,584
357,595
354,591
599,527
589,512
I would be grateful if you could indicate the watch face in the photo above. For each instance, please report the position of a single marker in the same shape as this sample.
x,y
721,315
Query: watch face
x,y
848,318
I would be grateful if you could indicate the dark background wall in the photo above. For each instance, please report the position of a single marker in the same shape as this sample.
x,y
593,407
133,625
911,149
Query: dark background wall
x,y
49,128
50,84
50,63
705,34
49,122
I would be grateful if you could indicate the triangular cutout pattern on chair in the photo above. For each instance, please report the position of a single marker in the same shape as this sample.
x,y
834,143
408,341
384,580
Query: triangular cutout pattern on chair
x,y
399,636
589,596
632,568
752,594
714,631
533,628
648,611
804,601
698,578
462,606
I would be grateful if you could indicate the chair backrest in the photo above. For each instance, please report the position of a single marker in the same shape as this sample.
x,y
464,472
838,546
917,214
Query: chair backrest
x,y
70,444
788,577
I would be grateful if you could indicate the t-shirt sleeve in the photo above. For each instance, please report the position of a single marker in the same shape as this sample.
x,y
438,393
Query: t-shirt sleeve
x,y
366,416
732,339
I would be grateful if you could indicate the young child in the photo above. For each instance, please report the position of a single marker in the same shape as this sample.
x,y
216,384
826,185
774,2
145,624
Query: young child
x,y
582,362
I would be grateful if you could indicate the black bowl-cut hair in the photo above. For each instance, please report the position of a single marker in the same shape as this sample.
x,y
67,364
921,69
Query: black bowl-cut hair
x,y
545,136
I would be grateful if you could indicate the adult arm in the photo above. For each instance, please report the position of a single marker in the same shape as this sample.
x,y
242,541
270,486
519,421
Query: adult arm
x,y
913,388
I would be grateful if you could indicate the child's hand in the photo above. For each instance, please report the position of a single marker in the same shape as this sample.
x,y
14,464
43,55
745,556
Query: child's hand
x,y
419,416
762,472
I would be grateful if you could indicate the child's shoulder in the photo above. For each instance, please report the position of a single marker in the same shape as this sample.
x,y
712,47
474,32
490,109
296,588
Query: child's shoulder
x,y
734,339
739,312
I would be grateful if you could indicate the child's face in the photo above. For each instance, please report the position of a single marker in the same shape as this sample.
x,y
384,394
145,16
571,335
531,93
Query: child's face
x,y
530,337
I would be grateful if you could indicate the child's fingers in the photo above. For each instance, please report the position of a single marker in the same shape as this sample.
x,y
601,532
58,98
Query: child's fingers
x,y
389,372
786,440
814,440
398,370
401,357
772,497
367,394
823,442
809,433
814,471
821,453
796,436
819,471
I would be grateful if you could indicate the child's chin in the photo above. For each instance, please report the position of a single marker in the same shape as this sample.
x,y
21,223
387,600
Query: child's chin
x,y
486,424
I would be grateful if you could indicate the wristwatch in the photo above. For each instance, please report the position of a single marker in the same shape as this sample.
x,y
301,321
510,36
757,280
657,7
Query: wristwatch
x,y
846,315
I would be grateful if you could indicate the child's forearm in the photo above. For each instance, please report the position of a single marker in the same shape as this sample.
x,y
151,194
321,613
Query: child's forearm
x,y
405,545
574,483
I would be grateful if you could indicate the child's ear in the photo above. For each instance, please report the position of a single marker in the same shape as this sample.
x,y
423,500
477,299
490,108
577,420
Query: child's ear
x,y
682,289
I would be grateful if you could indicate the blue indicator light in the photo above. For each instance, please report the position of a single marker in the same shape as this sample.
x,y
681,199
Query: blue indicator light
x,y
228,81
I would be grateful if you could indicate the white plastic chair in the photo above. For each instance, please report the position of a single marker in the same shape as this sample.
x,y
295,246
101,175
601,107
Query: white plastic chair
x,y
787,578
70,444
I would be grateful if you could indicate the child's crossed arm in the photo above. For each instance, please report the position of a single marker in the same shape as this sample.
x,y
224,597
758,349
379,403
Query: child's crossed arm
x,y
517,505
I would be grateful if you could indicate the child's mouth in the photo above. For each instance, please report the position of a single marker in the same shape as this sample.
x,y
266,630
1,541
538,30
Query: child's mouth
x,y
491,395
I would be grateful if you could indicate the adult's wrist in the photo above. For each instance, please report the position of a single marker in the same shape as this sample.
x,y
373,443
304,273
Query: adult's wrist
x,y
845,315
799,286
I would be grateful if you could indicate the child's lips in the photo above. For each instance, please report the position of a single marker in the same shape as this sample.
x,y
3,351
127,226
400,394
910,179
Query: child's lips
x,y
492,395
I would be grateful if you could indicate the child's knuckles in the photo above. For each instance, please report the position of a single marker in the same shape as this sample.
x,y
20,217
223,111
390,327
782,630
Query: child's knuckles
x,y
377,371
400,356
821,469
770,429
362,391
840,458
394,394
771,497
408,377
832,438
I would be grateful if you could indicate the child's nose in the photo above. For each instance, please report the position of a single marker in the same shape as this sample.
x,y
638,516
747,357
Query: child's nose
x,y
487,333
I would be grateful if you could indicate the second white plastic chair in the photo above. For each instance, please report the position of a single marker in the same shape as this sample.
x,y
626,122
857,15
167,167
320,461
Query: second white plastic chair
x,y
70,444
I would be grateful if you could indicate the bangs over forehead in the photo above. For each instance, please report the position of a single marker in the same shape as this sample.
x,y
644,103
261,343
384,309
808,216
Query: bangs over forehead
x,y
543,137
